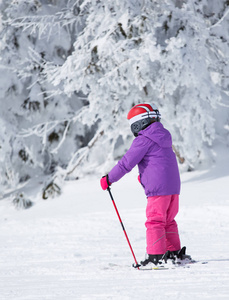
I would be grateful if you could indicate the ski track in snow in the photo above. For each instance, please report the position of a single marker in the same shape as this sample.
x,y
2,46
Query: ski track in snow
x,y
73,247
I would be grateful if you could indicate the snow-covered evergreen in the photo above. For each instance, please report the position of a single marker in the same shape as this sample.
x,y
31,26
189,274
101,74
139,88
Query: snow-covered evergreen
x,y
34,123
71,70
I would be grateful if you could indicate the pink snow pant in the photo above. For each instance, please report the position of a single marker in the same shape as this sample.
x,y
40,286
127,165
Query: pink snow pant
x,y
161,228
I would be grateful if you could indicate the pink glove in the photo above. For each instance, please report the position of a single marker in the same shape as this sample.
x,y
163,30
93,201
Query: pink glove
x,y
104,182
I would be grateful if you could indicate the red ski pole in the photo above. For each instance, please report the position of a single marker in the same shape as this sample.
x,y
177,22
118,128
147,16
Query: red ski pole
x,y
131,249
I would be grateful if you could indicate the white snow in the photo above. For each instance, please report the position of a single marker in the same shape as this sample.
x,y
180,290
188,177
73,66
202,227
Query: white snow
x,y
73,247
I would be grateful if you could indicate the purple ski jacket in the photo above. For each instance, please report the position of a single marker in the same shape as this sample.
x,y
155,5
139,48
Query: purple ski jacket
x,y
152,151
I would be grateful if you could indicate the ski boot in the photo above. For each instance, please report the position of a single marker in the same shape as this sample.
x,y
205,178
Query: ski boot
x,y
154,261
181,257
178,257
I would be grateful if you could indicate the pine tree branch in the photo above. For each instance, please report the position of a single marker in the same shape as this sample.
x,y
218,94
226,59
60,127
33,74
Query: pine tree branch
x,y
220,20
85,151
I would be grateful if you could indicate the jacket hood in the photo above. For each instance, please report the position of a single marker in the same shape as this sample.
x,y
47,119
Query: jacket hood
x,y
157,133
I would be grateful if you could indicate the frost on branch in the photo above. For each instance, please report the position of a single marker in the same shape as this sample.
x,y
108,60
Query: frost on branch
x,y
52,190
20,201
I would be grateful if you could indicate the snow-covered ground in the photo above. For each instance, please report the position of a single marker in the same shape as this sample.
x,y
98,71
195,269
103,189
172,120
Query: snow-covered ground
x,y
73,247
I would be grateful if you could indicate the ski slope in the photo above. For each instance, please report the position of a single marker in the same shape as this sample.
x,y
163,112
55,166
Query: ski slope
x,y
73,247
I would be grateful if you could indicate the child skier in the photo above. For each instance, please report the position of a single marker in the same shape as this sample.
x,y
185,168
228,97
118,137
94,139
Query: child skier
x,y
152,151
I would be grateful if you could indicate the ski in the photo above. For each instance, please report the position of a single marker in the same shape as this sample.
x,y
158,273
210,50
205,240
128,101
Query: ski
x,y
156,268
172,265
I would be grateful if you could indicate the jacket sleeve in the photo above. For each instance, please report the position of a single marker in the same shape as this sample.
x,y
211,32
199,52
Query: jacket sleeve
x,y
133,156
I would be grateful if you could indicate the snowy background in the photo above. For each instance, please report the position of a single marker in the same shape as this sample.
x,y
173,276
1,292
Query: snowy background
x,y
70,72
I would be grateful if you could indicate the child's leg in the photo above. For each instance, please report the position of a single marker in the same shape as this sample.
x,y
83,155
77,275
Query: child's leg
x,y
172,235
156,213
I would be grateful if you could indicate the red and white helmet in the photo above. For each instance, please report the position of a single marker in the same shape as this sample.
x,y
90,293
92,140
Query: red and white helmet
x,y
141,115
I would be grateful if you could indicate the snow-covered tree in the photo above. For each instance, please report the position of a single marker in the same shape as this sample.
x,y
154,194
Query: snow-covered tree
x,y
172,53
34,123
72,70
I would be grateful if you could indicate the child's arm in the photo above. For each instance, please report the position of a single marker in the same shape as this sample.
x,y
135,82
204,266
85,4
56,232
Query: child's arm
x,y
133,156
